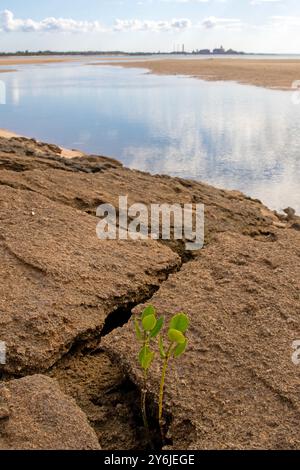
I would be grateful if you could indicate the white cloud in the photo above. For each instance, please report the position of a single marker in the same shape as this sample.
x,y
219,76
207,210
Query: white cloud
x,y
8,23
228,23
145,25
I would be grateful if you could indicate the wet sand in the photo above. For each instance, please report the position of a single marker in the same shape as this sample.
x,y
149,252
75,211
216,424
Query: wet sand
x,y
276,74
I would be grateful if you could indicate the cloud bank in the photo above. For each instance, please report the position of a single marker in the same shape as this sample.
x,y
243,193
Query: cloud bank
x,y
227,23
8,24
138,25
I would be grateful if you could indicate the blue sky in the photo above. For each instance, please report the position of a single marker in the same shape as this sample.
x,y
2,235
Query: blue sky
x,y
250,25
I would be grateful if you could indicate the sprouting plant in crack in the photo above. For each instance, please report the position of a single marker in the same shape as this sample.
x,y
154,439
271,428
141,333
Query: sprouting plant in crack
x,y
177,343
147,327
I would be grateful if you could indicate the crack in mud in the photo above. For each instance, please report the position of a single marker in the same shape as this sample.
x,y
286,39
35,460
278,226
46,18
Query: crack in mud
x,y
101,389
113,409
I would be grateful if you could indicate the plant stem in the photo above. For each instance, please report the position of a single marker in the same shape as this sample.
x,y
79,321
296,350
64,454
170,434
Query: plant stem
x,y
143,403
162,386
144,395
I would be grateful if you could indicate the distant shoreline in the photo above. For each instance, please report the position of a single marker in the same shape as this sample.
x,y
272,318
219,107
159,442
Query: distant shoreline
x,y
142,53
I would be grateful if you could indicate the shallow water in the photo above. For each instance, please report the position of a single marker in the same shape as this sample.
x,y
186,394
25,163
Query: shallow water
x,y
232,136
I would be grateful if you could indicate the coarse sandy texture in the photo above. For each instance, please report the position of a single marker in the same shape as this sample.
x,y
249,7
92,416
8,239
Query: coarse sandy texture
x,y
110,401
278,74
92,180
62,151
36,415
63,291
236,387
64,281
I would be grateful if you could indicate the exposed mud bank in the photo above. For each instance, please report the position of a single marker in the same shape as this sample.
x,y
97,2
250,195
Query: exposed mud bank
x,y
268,73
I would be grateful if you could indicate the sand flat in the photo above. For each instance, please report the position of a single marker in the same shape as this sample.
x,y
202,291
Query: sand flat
x,y
8,70
271,73
33,60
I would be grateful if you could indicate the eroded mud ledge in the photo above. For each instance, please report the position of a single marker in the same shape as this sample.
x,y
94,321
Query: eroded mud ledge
x,y
62,290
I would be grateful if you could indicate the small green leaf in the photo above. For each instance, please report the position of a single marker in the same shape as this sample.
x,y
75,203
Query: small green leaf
x,y
161,348
148,360
176,336
157,328
143,354
180,322
146,357
150,310
149,322
180,349
137,330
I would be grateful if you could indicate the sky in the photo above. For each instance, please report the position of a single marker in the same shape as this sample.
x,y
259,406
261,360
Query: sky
x,y
270,26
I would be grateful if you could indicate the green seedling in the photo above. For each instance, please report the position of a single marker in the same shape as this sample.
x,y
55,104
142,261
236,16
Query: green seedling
x,y
177,344
147,328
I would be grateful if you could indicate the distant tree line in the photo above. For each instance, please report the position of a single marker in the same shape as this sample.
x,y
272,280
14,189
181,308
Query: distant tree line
x,y
72,53
219,51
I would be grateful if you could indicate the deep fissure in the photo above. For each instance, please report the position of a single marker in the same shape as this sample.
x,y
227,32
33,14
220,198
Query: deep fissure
x,y
127,392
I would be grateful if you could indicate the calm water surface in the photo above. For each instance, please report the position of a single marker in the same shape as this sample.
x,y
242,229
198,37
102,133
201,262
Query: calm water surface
x,y
232,136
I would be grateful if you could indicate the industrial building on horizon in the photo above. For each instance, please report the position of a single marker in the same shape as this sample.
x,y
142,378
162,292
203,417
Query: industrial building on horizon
x,y
217,51
180,49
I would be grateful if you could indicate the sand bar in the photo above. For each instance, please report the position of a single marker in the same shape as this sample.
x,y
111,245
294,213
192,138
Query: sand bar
x,y
33,60
277,74
8,70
